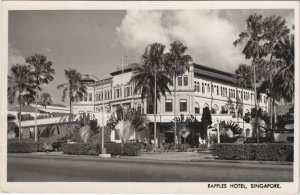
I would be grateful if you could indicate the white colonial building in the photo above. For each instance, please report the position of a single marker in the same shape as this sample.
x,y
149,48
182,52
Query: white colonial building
x,y
199,87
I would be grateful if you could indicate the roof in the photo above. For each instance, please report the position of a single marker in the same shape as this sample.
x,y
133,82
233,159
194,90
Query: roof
x,y
214,74
25,108
58,105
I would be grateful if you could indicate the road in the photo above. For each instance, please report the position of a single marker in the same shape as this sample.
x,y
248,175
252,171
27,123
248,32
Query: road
x,y
92,169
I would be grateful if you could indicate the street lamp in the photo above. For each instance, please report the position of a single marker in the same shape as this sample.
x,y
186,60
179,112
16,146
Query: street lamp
x,y
103,150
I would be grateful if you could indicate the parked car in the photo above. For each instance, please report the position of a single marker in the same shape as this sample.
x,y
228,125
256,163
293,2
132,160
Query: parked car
x,y
57,145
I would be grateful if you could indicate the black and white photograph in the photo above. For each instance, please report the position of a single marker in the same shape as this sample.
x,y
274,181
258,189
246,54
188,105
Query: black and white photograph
x,y
197,96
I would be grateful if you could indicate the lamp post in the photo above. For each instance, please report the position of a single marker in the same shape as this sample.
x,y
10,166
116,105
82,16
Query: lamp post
x,y
103,150
218,130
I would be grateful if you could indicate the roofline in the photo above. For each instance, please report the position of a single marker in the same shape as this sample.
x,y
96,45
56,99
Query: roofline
x,y
213,70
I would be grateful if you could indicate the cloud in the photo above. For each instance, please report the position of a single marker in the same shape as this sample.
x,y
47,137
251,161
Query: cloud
x,y
208,36
290,21
14,56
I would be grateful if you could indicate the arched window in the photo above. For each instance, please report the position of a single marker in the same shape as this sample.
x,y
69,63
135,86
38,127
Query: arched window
x,y
205,105
216,107
198,86
224,110
197,108
195,86
203,89
208,88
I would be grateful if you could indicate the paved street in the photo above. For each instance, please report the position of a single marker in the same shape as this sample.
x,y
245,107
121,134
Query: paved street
x,y
79,169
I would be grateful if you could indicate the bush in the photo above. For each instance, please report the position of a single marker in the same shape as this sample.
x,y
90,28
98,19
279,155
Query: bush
x,y
131,149
183,147
23,147
113,148
80,149
260,152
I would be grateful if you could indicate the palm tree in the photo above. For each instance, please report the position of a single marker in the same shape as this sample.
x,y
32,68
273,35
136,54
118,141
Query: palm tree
x,y
274,29
177,64
75,89
45,100
284,80
243,76
148,73
254,48
20,86
42,72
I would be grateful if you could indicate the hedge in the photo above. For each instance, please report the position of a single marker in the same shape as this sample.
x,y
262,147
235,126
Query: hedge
x,y
23,147
80,149
113,148
259,152
131,149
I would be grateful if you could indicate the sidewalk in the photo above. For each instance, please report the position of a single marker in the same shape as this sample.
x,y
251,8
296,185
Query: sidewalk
x,y
204,156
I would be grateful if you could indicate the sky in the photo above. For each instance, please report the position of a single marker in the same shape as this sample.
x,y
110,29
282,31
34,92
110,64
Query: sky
x,y
93,41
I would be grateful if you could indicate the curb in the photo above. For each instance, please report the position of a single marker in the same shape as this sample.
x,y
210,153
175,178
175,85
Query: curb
x,y
243,161
85,157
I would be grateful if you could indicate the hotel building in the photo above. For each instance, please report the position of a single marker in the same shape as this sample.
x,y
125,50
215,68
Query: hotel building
x,y
199,87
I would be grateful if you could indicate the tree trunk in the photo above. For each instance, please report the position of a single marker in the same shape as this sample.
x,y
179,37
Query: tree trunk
x,y
70,115
19,117
35,126
255,100
175,125
243,107
155,141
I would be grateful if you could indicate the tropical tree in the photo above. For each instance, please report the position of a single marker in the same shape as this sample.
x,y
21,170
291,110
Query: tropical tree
x,y
45,100
73,87
127,121
206,121
243,76
177,62
254,47
150,76
20,87
42,72
285,77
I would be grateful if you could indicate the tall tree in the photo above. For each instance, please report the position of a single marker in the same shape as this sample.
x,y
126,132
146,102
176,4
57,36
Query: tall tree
x,y
275,29
254,47
73,87
285,77
45,100
20,87
42,72
206,121
177,63
243,76
150,76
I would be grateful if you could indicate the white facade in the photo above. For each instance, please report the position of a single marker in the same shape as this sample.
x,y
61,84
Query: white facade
x,y
193,93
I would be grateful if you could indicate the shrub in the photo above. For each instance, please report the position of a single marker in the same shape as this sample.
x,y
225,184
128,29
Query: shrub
x,y
80,149
183,147
260,152
23,147
131,149
113,148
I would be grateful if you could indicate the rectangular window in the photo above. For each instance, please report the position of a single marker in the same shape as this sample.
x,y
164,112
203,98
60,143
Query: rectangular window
x,y
118,93
169,106
217,90
203,89
90,97
183,105
185,80
208,88
180,81
128,91
85,97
